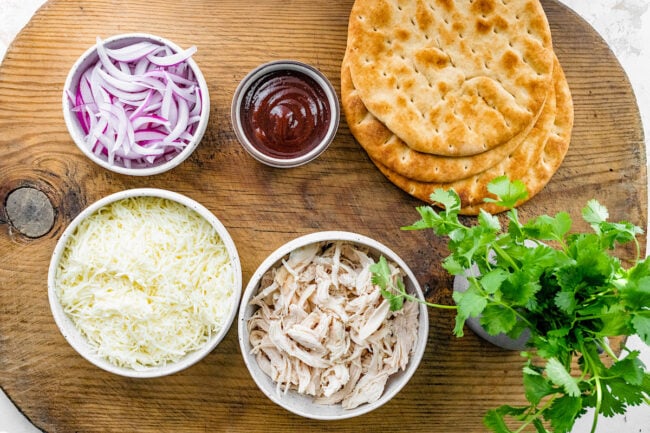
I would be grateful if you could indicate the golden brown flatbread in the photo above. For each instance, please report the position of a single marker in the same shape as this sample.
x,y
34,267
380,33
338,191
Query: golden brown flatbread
x,y
534,161
386,148
451,78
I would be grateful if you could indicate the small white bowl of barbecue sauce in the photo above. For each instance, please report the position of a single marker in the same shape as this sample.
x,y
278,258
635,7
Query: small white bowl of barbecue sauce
x,y
285,113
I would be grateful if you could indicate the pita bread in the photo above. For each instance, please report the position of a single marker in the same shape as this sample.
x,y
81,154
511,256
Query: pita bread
x,y
453,78
534,161
386,148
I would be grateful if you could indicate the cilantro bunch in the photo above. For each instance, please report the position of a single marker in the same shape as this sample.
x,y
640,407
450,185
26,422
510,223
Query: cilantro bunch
x,y
568,289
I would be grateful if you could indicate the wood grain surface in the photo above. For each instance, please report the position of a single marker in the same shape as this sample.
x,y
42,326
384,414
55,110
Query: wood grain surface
x,y
262,207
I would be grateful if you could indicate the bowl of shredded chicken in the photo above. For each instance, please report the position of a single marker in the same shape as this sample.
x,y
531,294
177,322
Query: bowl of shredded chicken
x,y
144,282
318,336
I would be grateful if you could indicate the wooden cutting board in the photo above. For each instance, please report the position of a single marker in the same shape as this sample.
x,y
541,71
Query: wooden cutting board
x,y
458,380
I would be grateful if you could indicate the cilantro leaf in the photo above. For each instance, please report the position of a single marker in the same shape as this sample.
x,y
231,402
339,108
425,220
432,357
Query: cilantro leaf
x,y
491,282
566,301
595,213
592,264
536,386
470,303
448,199
380,273
429,219
610,403
630,369
459,324
381,276
613,233
396,301
559,375
489,221
618,395
518,289
549,228
637,292
641,324
613,322
470,246
442,223
508,193
563,413
497,319
495,418
495,422
640,270
452,266
628,394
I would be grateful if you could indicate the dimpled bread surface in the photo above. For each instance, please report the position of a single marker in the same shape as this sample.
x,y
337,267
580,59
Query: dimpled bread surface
x,y
451,78
534,162
386,148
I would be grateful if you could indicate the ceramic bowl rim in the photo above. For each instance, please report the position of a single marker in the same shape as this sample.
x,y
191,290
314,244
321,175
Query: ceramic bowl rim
x,y
74,337
76,133
312,410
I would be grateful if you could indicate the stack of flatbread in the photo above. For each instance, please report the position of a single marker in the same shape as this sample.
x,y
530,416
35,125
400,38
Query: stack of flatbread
x,y
454,93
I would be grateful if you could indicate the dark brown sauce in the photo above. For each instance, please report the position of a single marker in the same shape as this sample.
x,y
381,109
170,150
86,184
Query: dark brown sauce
x,y
285,114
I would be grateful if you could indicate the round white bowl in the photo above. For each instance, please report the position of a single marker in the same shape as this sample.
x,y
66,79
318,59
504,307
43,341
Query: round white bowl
x,y
89,58
285,65
76,339
301,404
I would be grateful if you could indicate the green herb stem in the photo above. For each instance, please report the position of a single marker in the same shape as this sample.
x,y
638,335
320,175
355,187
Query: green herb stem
x,y
536,415
595,377
499,251
599,400
603,343
638,249
429,304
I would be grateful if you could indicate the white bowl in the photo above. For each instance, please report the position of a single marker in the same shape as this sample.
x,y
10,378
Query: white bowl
x,y
76,339
301,404
89,58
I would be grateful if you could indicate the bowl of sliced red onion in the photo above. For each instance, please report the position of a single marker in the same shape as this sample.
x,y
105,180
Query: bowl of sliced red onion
x,y
136,104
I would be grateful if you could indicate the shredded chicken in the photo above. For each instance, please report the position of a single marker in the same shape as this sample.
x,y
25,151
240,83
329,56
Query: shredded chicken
x,y
323,329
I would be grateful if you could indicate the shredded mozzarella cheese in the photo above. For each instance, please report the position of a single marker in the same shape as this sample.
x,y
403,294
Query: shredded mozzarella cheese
x,y
146,280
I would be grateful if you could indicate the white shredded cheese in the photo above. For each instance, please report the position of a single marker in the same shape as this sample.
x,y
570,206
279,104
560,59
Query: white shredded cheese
x,y
146,280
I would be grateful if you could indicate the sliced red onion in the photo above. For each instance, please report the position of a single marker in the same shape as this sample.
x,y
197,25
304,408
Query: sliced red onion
x,y
168,75
141,66
132,52
139,104
172,59
150,120
181,124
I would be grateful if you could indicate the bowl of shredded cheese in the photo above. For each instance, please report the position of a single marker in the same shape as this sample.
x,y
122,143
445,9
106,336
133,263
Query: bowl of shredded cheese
x,y
144,282
318,336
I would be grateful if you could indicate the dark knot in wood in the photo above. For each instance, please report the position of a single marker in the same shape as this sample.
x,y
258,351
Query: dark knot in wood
x,y
30,212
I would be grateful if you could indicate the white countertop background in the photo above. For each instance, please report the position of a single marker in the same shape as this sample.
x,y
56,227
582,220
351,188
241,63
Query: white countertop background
x,y
624,24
